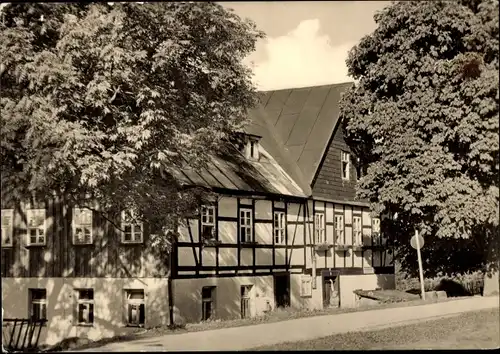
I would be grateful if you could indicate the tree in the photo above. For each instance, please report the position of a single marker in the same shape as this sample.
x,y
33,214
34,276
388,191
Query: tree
x,y
102,103
423,116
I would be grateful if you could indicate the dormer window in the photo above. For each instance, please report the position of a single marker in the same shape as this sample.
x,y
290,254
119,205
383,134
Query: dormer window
x,y
252,148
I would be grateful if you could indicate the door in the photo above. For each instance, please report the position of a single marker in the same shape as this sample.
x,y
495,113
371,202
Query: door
x,y
245,301
330,292
282,290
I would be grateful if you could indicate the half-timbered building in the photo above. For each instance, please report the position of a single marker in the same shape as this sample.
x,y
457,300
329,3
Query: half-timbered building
x,y
284,230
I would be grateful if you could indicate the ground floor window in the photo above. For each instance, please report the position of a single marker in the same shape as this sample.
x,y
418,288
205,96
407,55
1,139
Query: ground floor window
x,y
208,302
85,307
136,311
38,304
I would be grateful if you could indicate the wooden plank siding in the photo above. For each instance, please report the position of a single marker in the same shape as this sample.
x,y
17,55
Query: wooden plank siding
x,y
328,183
106,257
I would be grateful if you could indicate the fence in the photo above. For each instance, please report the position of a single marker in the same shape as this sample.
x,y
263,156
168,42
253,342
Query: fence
x,y
21,334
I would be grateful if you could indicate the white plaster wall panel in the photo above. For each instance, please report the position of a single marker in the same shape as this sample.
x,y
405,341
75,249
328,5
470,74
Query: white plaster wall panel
x,y
263,209
246,257
228,207
209,257
228,232
228,256
264,233
263,256
280,256
186,257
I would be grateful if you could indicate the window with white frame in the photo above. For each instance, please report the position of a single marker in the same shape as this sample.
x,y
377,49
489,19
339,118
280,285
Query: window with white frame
x,y
357,231
252,149
38,304
319,228
85,307
339,229
136,312
132,228
345,162
82,226
36,227
376,231
208,222
279,228
7,227
245,225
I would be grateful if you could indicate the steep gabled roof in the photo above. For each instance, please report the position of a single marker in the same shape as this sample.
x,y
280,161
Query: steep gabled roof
x,y
304,120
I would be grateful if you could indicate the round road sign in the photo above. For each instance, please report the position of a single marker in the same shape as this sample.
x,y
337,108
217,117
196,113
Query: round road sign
x,y
413,241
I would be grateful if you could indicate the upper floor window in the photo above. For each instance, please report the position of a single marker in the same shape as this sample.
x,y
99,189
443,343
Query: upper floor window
x,y
132,229
36,227
279,228
319,227
208,222
82,226
245,225
339,229
357,230
7,227
345,162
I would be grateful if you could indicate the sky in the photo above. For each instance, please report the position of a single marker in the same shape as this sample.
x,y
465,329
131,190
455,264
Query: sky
x,y
307,41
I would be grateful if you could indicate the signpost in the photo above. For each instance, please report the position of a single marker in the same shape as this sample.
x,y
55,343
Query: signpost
x,y
417,242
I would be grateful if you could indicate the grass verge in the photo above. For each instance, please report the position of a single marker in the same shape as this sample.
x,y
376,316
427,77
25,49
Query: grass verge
x,y
471,330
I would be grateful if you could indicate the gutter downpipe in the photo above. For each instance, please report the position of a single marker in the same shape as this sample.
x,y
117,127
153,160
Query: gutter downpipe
x,y
313,254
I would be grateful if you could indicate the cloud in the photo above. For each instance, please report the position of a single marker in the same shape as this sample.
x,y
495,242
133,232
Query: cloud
x,y
300,59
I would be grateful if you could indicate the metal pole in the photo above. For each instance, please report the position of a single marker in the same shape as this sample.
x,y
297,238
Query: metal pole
x,y
420,269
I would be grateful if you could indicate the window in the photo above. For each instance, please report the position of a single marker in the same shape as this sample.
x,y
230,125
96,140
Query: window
x,y
344,157
245,225
339,229
135,308
376,231
357,230
208,222
207,302
85,307
279,228
38,304
82,226
36,227
252,149
132,228
319,228
7,227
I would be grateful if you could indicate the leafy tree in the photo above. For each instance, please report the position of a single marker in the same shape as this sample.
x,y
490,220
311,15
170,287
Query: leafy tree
x,y
103,103
423,117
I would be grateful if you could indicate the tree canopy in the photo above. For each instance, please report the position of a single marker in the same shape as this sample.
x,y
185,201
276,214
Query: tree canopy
x,y
423,117
102,102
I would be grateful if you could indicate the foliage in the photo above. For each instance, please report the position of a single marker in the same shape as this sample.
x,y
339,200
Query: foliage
x,y
105,102
423,117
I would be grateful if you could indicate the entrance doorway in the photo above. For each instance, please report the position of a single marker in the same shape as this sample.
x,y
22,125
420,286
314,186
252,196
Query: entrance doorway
x,y
245,301
282,290
331,294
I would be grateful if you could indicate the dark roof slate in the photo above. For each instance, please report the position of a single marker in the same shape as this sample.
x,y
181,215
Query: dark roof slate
x,y
304,120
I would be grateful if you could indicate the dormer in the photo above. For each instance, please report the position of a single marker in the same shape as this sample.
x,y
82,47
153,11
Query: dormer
x,y
248,144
